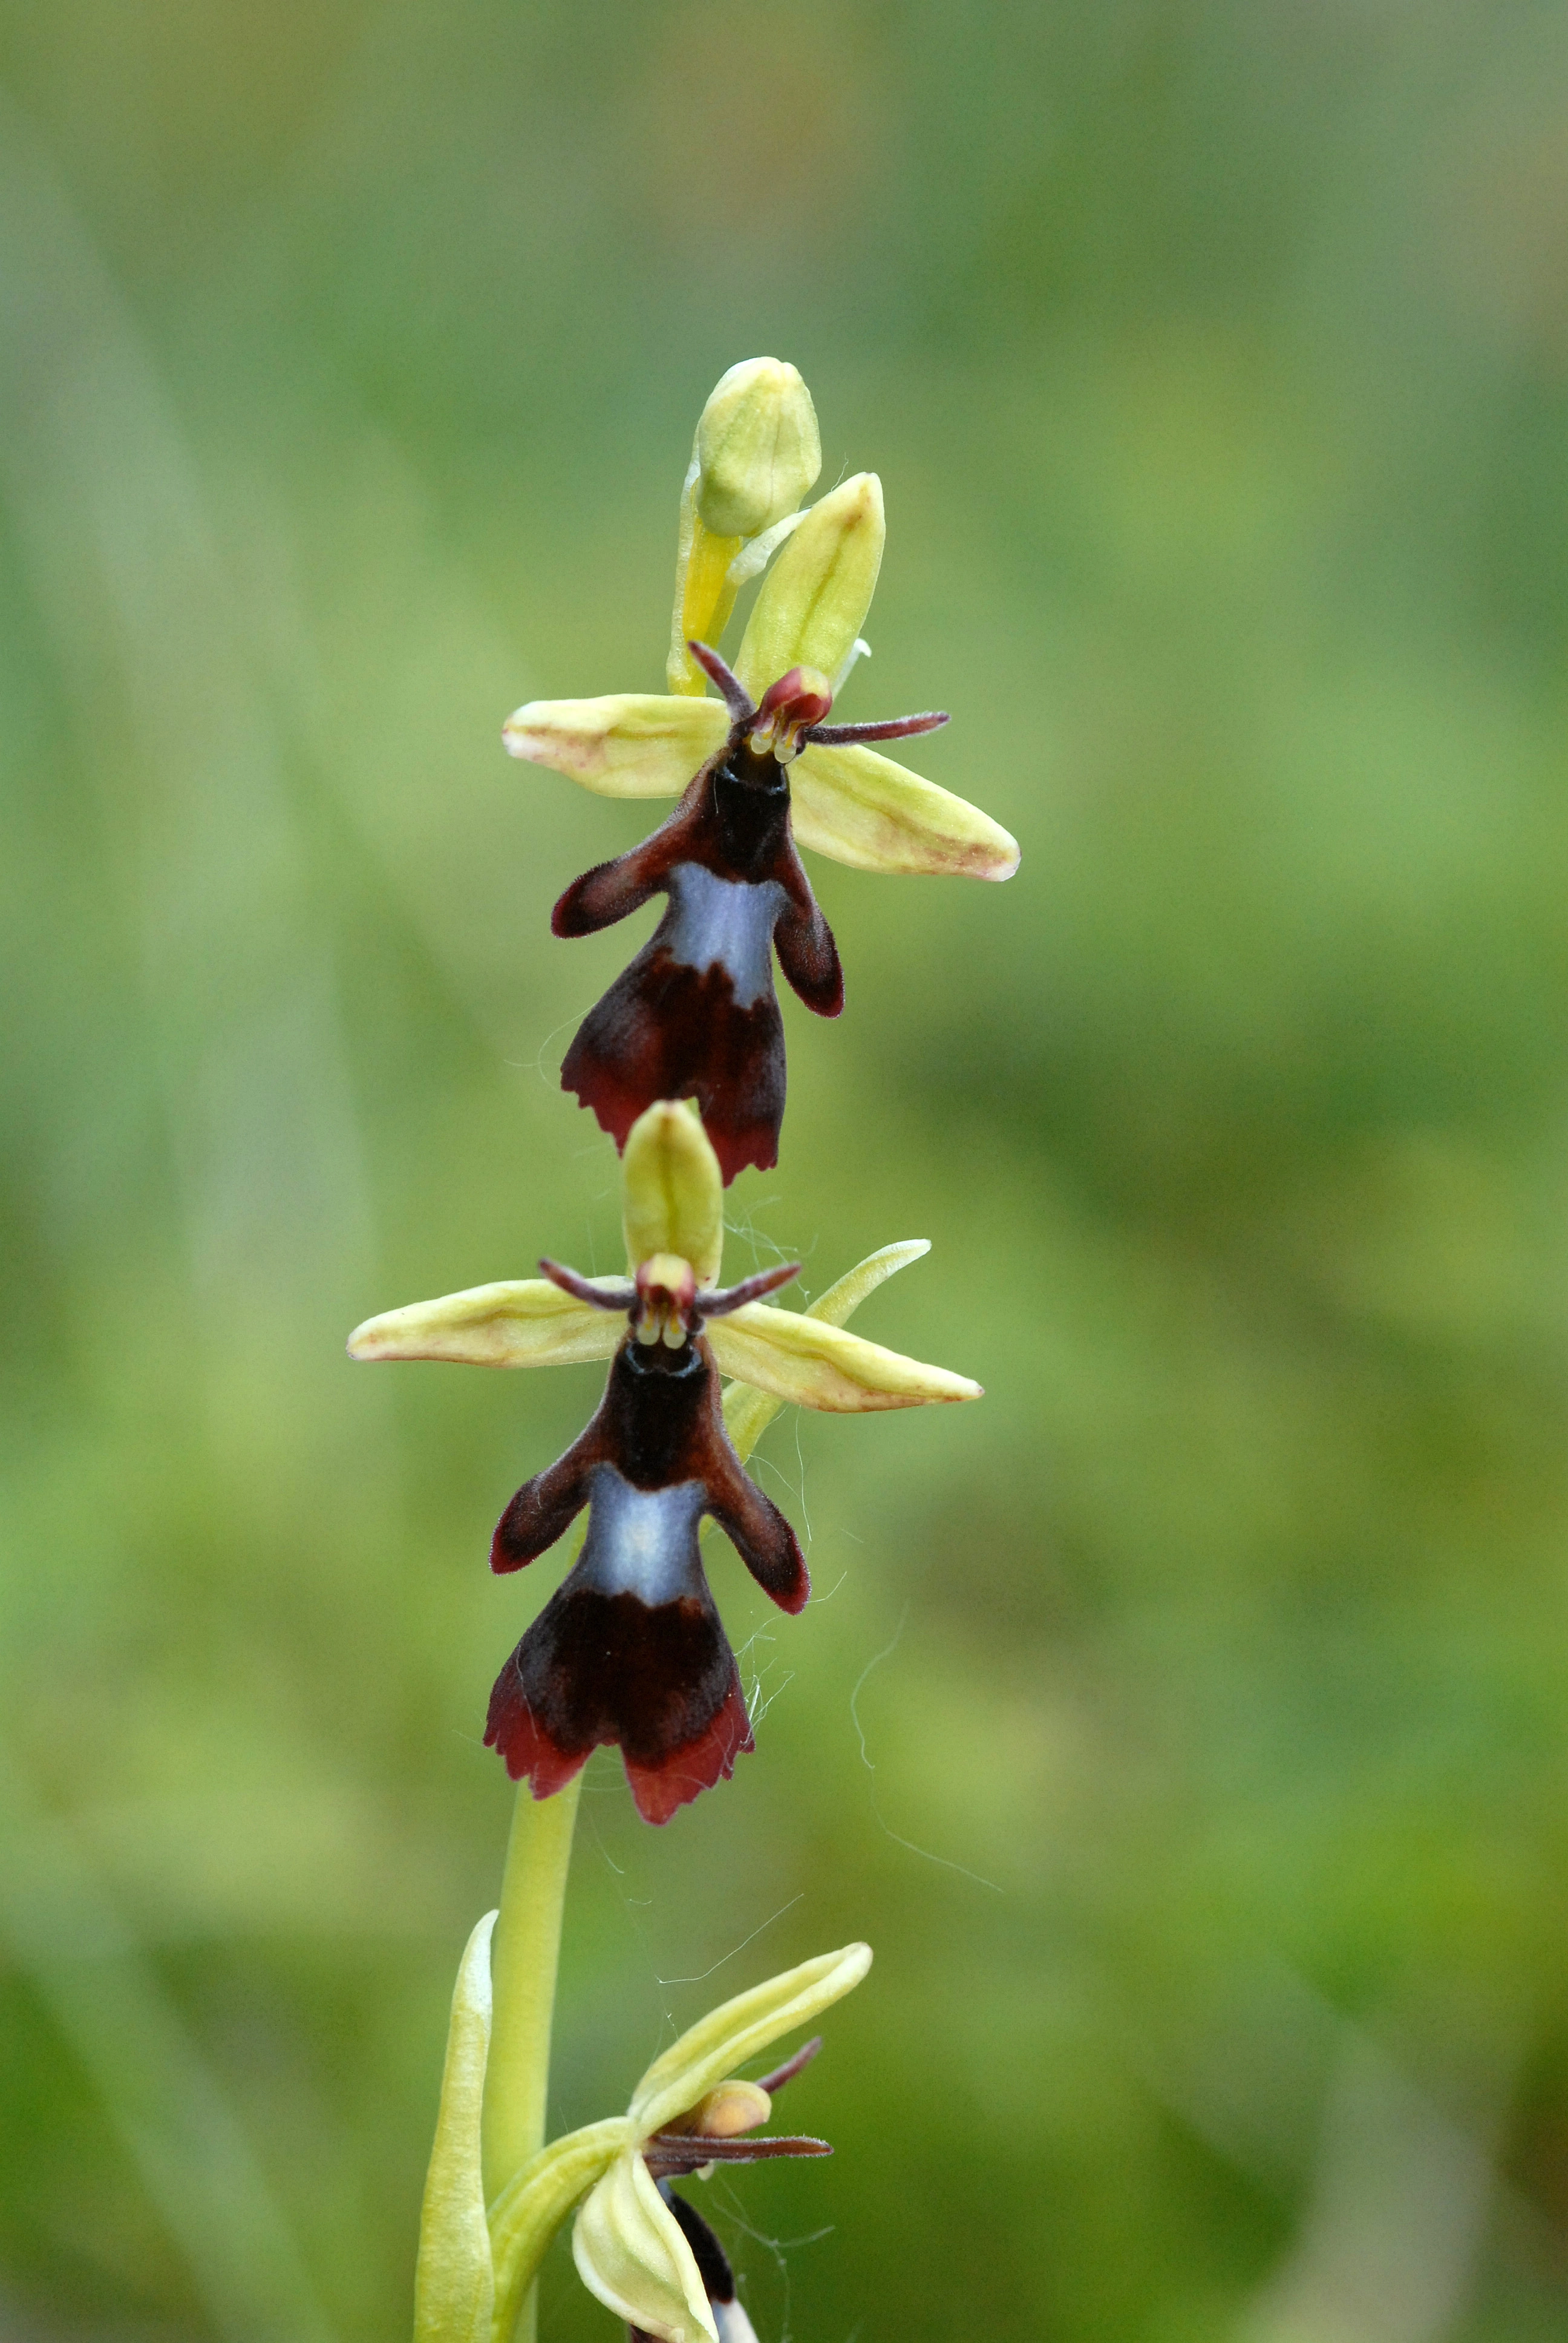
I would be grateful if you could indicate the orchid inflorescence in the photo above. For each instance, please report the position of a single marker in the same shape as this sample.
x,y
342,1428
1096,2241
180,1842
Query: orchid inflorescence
x,y
682,1062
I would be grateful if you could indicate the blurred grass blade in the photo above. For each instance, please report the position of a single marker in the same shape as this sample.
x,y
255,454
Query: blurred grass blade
x,y
62,1931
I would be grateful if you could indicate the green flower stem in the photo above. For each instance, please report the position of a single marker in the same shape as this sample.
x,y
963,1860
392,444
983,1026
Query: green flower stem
x,y
525,1955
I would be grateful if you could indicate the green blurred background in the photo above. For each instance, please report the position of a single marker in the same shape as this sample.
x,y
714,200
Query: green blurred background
x,y
1185,1723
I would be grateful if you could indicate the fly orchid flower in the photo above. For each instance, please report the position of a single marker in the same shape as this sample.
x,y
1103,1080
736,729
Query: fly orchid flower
x,y
759,771
640,2253
630,1649
625,2255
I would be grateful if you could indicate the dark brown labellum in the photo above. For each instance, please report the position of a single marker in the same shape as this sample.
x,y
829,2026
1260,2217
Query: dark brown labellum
x,y
695,1015
630,1649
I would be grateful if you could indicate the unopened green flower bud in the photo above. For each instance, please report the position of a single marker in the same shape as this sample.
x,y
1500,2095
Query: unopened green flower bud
x,y
756,453
757,448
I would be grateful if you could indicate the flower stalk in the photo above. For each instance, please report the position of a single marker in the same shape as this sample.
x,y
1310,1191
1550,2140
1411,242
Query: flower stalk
x,y
525,1957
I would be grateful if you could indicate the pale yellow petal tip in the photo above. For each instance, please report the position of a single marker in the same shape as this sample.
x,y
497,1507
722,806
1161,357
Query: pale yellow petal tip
x,y
853,504
366,1341
535,735
516,730
1005,858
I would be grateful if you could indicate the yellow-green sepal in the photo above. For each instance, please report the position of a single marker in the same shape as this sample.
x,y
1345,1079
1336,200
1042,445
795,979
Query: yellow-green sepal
x,y
629,2252
672,1191
705,592
797,1358
627,744
518,1322
865,810
747,1412
709,2051
814,599
529,2211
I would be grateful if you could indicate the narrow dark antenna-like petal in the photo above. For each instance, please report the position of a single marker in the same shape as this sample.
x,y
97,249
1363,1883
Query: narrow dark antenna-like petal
x,y
791,2067
891,728
750,1289
583,1289
671,2155
733,692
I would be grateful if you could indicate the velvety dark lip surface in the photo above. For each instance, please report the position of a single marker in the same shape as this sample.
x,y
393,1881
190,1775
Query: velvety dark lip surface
x,y
695,1014
630,1650
660,1681
666,1030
